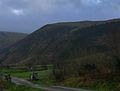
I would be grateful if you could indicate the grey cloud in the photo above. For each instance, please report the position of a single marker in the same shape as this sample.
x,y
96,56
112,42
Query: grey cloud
x,y
35,13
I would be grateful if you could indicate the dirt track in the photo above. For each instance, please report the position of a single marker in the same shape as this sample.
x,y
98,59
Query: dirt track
x,y
20,81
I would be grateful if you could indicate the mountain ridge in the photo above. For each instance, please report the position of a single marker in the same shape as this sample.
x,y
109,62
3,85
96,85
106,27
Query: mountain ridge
x,y
9,38
59,41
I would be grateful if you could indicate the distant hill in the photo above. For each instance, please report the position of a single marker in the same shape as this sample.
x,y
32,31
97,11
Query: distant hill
x,y
9,38
60,41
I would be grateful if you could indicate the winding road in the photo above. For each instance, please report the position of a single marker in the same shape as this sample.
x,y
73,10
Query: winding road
x,y
20,81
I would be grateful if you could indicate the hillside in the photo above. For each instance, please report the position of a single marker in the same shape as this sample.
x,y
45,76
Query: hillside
x,y
9,38
60,41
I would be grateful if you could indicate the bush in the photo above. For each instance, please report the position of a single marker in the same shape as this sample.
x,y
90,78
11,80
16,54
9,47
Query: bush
x,y
2,84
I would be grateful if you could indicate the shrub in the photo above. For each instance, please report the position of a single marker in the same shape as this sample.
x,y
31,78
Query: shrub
x,y
2,84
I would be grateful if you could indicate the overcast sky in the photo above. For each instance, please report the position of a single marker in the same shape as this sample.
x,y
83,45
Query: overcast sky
x,y
29,15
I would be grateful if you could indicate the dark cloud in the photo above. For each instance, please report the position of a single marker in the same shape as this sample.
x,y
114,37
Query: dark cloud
x,y
28,15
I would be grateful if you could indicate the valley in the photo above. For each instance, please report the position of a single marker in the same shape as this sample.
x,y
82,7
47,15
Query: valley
x,y
59,45
73,54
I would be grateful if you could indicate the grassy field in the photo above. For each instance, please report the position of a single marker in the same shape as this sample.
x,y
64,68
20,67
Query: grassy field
x,y
45,80
22,74
43,75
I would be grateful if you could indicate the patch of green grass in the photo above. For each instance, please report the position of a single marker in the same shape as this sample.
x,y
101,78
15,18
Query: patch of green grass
x,y
17,73
24,74
10,71
43,75
27,74
21,74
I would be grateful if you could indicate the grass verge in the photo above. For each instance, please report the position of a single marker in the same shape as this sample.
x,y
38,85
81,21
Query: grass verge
x,y
13,87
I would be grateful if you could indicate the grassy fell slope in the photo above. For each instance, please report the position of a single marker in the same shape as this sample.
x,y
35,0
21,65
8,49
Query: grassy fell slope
x,y
60,41
9,38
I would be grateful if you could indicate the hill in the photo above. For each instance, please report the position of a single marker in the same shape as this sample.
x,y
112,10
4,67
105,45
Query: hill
x,y
59,42
9,38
